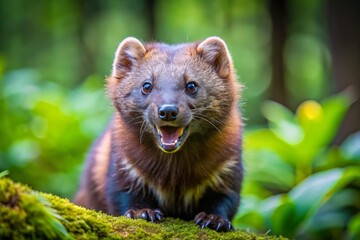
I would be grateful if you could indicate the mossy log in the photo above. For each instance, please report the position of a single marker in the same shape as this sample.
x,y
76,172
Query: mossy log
x,y
27,214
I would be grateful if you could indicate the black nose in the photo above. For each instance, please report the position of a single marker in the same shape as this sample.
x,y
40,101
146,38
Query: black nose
x,y
168,112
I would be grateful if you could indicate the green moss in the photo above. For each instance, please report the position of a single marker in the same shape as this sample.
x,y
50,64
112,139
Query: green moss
x,y
25,214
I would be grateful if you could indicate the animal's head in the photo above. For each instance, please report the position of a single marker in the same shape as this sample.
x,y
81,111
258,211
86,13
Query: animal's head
x,y
168,93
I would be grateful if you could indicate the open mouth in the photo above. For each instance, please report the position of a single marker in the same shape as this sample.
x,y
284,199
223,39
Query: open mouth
x,y
171,138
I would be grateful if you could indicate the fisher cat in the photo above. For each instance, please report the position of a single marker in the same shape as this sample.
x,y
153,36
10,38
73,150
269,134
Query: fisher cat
x,y
173,146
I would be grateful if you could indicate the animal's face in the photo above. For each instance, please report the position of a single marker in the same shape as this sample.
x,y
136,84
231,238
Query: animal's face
x,y
167,93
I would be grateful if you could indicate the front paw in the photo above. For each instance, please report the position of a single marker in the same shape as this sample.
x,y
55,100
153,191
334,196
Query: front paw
x,y
213,221
147,214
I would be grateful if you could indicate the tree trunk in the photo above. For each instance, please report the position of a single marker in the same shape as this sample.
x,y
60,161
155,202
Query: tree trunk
x,y
150,14
343,20
278,14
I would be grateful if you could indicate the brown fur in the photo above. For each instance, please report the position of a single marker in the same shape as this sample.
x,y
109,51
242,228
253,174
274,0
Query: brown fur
x,y
127,158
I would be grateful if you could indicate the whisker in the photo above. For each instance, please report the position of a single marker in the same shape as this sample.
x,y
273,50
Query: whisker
x,y
132,110
201,109
208,121
217,121
137,123
142,130
135,119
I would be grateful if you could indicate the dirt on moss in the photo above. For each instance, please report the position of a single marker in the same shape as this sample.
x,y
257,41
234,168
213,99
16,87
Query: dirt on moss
x,y
27,214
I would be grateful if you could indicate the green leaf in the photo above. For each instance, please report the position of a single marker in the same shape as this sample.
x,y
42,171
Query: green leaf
x,y
267,208
249,215
282,122
334,111
288,131
327,220
282,218
4,173
275,112
354,227
335,212
266,139
52,218
268,169
351,147
251,219
310,194
320,130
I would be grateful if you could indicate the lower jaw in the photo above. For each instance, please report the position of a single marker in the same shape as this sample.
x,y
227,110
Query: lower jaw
x,y
170,151
177,147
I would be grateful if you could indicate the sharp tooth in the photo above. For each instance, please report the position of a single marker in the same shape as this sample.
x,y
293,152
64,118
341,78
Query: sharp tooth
x,y
181,131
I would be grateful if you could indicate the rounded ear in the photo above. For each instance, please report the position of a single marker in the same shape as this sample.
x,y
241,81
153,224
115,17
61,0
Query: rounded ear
x,y
129,51
213,50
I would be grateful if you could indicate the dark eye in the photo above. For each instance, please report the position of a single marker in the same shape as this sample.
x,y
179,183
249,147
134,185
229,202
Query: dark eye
x,y
191,87
146,88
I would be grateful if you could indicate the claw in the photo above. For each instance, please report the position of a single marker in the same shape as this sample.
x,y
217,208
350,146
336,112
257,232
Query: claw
x,y
152,218
158,211
213,221
130,213
230,227
158,216
197,221
207,223
144,215
218,226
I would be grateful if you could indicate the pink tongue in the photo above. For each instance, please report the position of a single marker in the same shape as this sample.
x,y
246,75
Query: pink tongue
x,y
170,134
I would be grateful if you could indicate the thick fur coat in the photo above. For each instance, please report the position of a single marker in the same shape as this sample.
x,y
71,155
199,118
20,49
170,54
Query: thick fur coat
x,y
173,146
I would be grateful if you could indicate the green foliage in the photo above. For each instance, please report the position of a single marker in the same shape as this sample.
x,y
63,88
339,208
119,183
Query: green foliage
x,y
52,104
45,121
55,55
354,227
4,173
25,214
293,173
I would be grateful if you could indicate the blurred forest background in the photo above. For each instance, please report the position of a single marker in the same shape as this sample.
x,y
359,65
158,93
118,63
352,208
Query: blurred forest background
x,y
298,59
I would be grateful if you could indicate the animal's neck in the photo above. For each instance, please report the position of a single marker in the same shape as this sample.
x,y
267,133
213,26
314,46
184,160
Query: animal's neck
x,y
197,161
